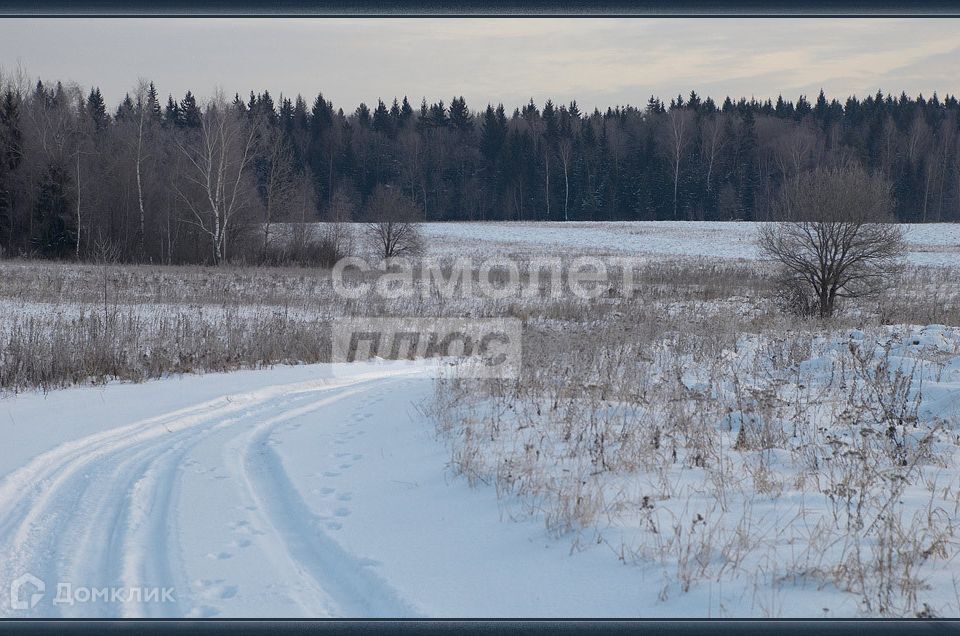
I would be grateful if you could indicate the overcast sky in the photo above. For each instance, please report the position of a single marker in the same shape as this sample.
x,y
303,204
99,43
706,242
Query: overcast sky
x,y
598,62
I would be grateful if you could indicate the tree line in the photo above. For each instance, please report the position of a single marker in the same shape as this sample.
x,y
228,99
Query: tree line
x,y
176,181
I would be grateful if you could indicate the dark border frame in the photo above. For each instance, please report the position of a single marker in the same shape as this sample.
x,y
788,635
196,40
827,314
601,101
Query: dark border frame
x,y
524,627
12,9
475,8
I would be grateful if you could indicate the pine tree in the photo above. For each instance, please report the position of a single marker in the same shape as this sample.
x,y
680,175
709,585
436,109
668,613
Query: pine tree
x,y
97,109
820,109
406,111
153,103
381,119
171,116
286,114
126,108
460,117
11,155
654,106
266,108
438,115
321,115
301,120
363,115
189,115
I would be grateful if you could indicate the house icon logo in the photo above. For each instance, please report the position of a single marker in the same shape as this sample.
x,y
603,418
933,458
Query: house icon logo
x,y
26,591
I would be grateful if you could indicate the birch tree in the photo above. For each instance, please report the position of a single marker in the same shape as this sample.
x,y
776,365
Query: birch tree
x,y
218,159
678,129
713,138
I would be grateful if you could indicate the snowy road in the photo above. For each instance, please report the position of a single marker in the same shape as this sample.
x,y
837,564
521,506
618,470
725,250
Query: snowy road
x,y
267,493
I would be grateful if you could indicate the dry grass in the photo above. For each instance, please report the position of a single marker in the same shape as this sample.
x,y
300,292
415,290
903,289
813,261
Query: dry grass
x,y
671,424
679,428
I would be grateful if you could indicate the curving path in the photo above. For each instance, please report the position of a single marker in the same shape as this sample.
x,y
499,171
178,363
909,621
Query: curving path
x,y
300,491
97,513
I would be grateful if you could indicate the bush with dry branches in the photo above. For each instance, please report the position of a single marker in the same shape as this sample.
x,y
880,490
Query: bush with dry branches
x,y
835,240
392,228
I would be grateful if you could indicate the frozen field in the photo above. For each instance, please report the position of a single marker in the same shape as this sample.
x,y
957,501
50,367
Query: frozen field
x,y
687,451
929,244
298,491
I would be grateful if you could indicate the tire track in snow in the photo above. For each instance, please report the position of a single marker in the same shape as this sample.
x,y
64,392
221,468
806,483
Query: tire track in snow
x,y
347,580
53,516
79,515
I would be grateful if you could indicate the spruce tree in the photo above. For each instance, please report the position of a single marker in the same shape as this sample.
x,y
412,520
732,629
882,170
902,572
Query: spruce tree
x,y
189,115
171,116
460,117
153,103
406,111
363,115
97,109
381,118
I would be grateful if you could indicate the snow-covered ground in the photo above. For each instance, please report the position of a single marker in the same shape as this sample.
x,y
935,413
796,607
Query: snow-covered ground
x,y
294,491
323,490
929,244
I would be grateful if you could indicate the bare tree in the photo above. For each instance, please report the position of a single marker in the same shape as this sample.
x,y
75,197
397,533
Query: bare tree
x,y
677,131
280,182
393,228
794,150
218,160
565,152
836,238
712,140
339,215
143,122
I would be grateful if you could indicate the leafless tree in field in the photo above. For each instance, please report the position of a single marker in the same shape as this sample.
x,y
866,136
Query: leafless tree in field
x,y
393,229
836,238
218,158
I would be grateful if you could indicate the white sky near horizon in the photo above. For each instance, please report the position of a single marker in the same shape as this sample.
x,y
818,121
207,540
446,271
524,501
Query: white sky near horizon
x,y
599,62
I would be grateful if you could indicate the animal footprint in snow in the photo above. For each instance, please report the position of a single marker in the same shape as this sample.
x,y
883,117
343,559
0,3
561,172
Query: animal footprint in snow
x,y
331,473
242,527
333,525
219,556
345,496
342,512
327,491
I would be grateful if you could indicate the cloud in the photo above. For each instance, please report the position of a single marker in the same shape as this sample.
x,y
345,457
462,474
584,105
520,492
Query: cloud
x,y
598,62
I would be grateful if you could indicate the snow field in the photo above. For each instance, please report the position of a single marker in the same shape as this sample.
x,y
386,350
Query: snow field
x,y
687,452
